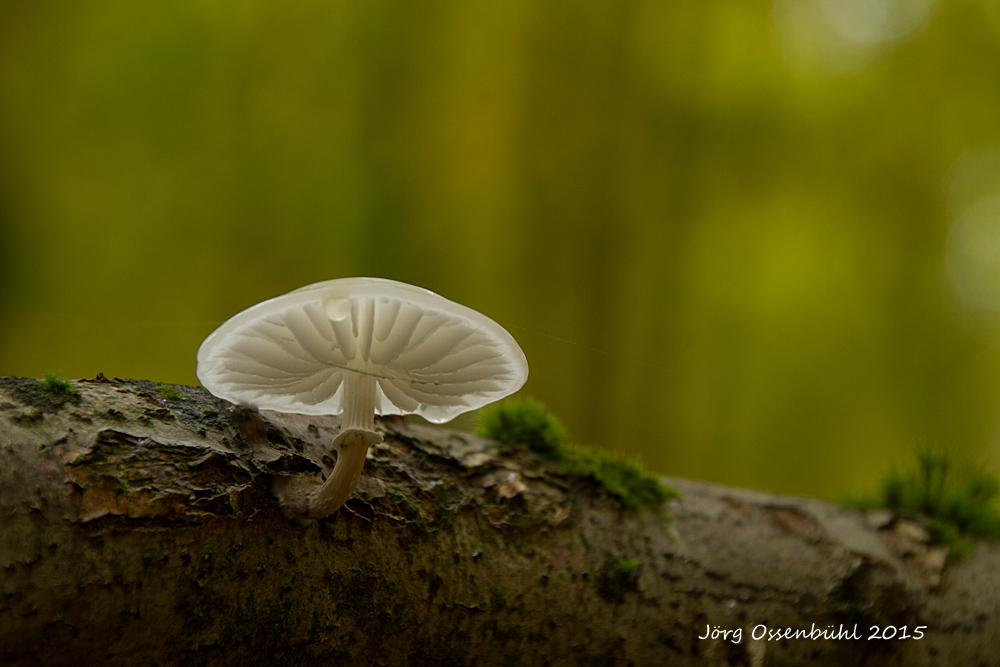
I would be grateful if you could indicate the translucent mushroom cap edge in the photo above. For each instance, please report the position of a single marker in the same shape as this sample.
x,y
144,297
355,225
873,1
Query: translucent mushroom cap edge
x,y
360,347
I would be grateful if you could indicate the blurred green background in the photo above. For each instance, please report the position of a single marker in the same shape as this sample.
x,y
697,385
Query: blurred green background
x,y
751,242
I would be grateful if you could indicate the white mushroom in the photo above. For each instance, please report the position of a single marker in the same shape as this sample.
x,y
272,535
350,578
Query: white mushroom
x,y
358,347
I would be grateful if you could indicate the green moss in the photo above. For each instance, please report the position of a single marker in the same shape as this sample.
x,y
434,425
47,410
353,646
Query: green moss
x,y
527,423
50,393
524,422
957,499
619,477
51,383
625,566
617,576
169,393
403,505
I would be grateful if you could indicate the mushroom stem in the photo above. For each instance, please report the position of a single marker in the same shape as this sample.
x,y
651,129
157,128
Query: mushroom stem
x,y
302,497
352,448
358,401
357,434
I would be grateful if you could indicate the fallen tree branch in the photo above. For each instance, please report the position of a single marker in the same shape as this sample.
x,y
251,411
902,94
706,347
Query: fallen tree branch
x,y
139,527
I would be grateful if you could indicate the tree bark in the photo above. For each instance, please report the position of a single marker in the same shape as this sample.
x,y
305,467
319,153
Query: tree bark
x,y
138,527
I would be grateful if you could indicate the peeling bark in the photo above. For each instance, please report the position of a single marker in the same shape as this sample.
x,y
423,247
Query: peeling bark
x,y
139,529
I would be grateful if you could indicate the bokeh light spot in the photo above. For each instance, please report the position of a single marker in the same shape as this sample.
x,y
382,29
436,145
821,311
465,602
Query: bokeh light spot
x,y
973,255
841,34
875,21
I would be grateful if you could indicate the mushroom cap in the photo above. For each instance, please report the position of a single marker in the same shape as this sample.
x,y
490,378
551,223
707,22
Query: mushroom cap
x,y
430,356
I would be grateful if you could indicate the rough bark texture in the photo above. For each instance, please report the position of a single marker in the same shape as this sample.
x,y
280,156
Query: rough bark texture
x,y
140,529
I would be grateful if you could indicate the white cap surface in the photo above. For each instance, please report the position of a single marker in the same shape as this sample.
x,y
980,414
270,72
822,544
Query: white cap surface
x,y
429,356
